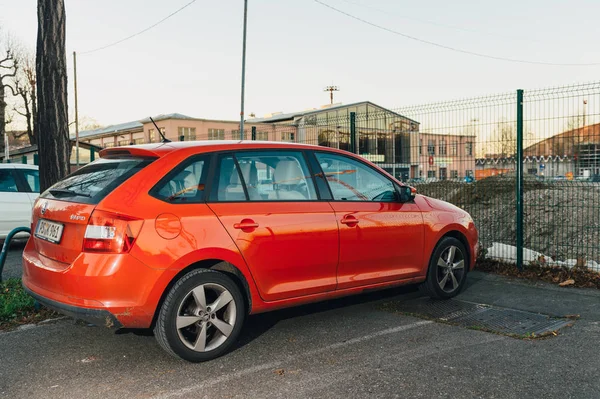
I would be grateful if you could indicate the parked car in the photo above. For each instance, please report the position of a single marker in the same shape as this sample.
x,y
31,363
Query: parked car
x,y
19,187
179,238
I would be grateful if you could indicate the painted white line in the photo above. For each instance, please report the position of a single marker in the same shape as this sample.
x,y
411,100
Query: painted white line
x,y
274,365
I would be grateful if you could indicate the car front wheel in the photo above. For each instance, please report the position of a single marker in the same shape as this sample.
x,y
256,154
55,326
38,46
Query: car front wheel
x,y
201,317
448,268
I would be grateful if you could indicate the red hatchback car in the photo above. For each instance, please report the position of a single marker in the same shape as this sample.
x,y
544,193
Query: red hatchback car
x,y
189,238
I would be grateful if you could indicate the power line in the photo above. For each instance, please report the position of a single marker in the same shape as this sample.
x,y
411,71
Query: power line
x,y
140,32
493,57
454,27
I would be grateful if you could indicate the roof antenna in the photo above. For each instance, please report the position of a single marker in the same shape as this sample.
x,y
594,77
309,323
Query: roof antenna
x,y
164,139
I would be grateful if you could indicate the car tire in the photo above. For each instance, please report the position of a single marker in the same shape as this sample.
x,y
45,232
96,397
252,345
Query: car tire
x,y
448,268
189,328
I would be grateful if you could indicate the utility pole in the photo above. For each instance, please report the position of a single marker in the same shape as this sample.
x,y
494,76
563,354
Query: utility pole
x,y
243,70
76,110
331,89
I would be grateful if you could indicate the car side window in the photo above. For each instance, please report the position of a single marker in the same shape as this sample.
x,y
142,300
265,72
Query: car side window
x,y
32,178
351,180
264,176
8,184
184,184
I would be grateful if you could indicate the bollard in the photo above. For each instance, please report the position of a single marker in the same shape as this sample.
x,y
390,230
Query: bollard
x,y
6,245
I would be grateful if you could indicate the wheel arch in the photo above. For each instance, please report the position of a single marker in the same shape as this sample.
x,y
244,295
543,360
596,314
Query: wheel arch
x,y
219,265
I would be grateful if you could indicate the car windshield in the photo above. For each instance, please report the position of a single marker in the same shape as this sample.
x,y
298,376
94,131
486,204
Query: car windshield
x,y
95,181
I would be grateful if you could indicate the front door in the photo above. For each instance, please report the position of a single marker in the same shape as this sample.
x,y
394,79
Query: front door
x,y
381,239
268,203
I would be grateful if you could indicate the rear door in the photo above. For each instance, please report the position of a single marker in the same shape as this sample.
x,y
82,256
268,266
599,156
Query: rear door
x,y
381,239
61,215
268,203
15,204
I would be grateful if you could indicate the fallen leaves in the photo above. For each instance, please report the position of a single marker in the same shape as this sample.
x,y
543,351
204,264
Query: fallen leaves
x,y
279,371
567,283
581,277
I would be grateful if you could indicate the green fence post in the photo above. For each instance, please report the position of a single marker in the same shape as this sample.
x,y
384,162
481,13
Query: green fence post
x,y
36,159
253,133
353,132
92,155
519,192
24,159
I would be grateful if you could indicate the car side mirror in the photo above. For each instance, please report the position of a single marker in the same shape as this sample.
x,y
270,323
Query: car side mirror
x,y
406,193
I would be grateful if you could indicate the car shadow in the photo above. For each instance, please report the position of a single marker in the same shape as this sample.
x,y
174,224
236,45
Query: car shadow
x,y
257,325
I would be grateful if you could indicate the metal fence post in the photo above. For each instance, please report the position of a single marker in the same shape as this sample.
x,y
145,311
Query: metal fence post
x,y
24,159
253,133
92,154
36,159
519,192
353,146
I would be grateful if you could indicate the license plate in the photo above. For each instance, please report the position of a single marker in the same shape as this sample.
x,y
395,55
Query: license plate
x,y
49,231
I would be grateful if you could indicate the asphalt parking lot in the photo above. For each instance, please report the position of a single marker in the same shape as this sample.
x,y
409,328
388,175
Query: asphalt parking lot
x,y
353,347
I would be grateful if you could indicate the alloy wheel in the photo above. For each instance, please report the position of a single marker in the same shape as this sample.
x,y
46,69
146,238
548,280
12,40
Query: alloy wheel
x,y
206,317
450,269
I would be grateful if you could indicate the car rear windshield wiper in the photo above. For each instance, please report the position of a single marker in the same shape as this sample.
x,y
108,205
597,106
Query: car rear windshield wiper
x,y
58,192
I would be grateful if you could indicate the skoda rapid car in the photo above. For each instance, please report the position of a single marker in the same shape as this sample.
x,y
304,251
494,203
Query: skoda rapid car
x,y
189,238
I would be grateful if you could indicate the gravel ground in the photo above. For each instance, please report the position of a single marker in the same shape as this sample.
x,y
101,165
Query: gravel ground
x,y
562,218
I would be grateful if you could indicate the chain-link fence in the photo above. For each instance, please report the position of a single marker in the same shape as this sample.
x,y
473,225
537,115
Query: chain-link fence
x,y
466,152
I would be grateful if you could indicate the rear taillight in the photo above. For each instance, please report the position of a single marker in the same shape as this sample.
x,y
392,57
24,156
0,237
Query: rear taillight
x,y
111,233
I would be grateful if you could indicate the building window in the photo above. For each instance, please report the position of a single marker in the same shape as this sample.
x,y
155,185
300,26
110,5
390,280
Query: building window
x,y
123,142
469,148
288,136
420,146
109,144
216,134
431,174
431,147
235,135
454,148
443,149
454,174
469,173
263,136
153,137
138,141
187,133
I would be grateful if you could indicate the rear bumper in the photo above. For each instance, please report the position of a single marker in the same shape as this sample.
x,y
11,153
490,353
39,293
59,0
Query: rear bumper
x,y
98,317
112,290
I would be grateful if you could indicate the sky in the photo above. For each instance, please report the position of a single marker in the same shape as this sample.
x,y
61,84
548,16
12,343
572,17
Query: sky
x,y
191,63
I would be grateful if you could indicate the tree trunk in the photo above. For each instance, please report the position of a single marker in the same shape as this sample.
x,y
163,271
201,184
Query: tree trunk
x,y
33,140
51,123
2,117
26,103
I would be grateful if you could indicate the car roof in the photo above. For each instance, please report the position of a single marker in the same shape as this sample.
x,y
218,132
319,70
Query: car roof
x,y
161,149
18,166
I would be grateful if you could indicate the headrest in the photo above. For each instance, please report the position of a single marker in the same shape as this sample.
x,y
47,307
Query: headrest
x,y
288,172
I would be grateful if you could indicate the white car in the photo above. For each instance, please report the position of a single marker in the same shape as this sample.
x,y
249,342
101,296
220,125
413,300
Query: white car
x,y
19,187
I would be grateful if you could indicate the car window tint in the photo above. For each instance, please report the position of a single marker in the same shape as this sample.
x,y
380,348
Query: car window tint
x,y
185,184
352,180
229,183
276,176
8,183
93,182
32,177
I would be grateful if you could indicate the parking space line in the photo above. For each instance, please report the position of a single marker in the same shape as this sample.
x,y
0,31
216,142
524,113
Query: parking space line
x,y
276,364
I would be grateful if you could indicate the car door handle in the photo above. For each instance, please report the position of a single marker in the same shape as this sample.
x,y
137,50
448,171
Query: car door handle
x,y
246,224
349,220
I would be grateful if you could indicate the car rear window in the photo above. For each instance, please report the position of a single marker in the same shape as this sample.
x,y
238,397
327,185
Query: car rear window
x,y
90,184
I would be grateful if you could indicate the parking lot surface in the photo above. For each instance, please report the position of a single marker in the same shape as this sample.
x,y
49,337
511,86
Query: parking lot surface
x,y
352,347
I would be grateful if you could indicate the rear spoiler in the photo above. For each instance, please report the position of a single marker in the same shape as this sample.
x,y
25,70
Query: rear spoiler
x,y
150,151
